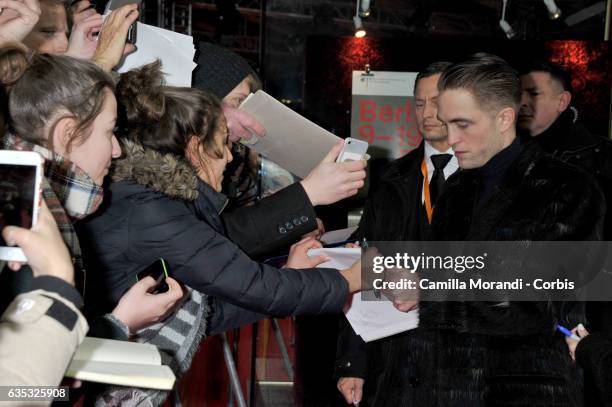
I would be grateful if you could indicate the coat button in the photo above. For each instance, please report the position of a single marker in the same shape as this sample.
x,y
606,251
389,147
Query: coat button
x,y
289,225
297,222
281,229
304,218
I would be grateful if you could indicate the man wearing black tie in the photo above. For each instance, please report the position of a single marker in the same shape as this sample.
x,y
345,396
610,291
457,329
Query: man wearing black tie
x,y
400,208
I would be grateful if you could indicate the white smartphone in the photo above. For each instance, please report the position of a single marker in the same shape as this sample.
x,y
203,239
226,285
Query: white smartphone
x,y
21,173
352,150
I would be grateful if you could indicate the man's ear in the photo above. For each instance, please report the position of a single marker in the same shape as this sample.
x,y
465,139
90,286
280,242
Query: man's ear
x,y
62,133
565,99
506,119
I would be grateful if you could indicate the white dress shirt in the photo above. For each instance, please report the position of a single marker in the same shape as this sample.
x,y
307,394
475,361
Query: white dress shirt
x,y
451,167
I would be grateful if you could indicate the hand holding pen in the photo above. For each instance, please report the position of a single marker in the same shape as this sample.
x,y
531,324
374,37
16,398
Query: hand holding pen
x,y
573,337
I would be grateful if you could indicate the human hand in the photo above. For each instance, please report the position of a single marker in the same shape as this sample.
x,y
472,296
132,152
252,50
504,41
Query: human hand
x,y
351,388
330,182
82,10
111,40
353,276
138,308
241,125
83,42
404,299
298,254
43,246
18,18
318,232
572,344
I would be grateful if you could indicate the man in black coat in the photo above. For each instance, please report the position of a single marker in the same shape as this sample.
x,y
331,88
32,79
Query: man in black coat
x,y
496,354
398,209
547,118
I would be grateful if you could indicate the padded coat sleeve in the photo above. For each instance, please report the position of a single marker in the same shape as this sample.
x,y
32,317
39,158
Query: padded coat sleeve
x,y
207,261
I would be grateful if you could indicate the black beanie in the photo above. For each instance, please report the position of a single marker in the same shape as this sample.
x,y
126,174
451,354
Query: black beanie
x,y
219,70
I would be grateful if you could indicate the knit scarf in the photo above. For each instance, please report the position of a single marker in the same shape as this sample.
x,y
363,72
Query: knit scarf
x,y
69,193
178,338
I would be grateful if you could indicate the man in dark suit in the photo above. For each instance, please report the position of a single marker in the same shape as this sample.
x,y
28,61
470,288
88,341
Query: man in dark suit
x,y
481,354
398,209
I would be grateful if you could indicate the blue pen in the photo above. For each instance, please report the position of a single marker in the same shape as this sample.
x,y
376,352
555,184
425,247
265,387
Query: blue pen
x,y
568,333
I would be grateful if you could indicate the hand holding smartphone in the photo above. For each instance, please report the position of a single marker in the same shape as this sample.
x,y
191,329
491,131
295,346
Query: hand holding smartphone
x,y
352,150
20,178
158,270
117,4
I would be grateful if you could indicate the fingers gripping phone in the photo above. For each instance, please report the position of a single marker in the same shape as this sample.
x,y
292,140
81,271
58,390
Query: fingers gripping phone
x,y
352,150
20,177
116,4
158,271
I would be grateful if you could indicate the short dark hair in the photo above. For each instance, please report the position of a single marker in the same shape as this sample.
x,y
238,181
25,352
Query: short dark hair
x,y
492,81
432,69
556,72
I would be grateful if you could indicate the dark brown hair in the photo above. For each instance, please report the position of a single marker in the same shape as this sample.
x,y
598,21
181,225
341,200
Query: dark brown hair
x,y
40,87
432,69
165,118
491,80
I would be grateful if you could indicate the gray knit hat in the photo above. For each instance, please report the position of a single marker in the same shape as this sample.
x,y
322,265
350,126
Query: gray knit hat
x,y
219,70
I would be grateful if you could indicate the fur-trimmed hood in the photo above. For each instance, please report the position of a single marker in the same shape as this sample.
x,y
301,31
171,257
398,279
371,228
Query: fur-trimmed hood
x,y
166,173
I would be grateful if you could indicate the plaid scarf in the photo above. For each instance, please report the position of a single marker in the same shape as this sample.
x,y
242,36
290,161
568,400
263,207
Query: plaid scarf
x,y
69,193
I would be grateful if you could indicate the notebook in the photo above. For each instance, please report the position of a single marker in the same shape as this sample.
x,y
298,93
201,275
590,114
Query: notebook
x,y
291,141
121,363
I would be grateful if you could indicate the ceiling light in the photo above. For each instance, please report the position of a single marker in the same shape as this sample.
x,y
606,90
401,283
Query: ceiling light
x,y
365,8
360,32
504,25
554,12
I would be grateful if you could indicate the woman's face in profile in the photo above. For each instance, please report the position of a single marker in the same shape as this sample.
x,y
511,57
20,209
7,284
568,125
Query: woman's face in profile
x,y
93,153
211,167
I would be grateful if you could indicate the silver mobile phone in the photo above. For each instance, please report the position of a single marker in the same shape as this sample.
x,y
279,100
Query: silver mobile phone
x,y
353,150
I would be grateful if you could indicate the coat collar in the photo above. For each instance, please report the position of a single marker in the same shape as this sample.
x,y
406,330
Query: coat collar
x,y
166,173
462,194
407,164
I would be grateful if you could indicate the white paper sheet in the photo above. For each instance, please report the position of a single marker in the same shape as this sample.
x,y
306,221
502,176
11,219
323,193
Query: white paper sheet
x,y
373,319
378,319
176,52
340,257
336,236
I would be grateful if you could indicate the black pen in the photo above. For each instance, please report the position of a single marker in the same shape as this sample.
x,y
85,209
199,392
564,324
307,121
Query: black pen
x,y
364,245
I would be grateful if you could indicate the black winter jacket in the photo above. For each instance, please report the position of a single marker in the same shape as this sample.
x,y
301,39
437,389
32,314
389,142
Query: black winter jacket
x,y
483,354
157,207
568,140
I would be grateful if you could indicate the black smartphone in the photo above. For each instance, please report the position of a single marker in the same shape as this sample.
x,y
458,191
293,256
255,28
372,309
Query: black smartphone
x,y
114,5
158,270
